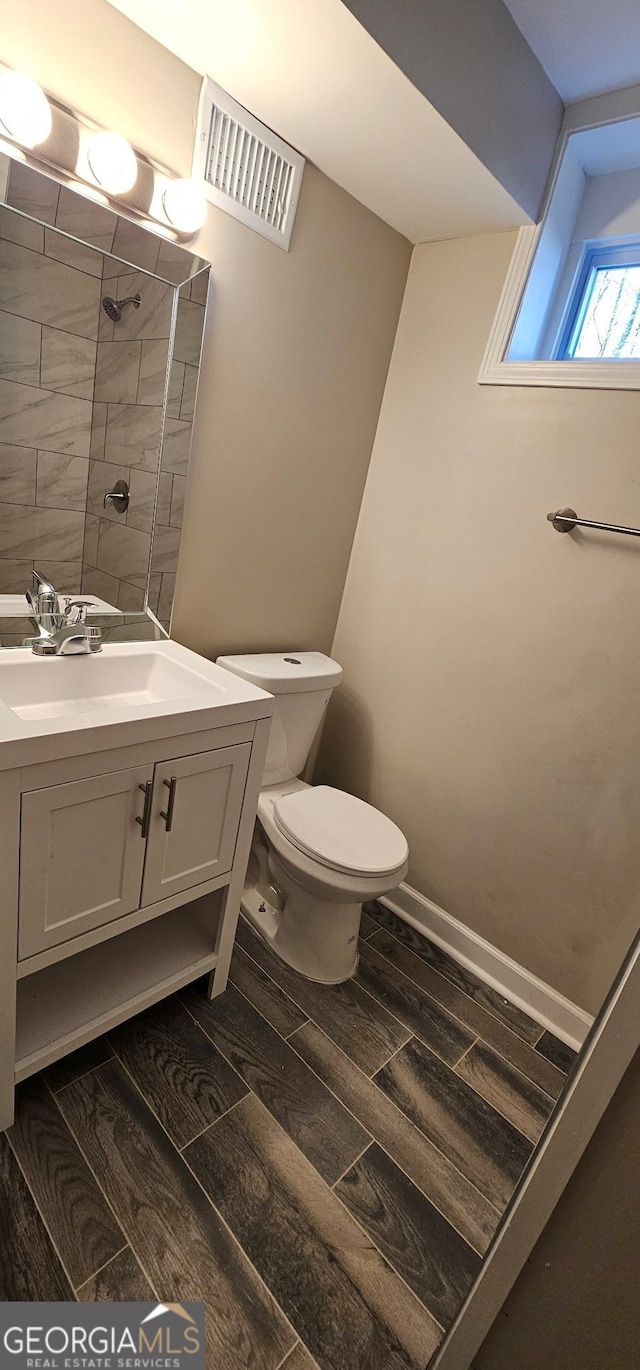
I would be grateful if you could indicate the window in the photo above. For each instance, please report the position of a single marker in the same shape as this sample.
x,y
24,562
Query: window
x,y
603,322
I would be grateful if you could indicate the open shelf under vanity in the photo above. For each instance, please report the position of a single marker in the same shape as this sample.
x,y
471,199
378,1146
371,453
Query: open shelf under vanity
x,y
69,1003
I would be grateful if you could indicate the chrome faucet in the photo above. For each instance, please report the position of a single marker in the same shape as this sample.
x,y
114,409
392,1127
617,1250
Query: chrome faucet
x,y
74,636
41,595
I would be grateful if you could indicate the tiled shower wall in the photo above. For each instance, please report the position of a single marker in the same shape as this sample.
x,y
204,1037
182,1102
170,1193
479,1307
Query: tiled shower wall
x,y
81,400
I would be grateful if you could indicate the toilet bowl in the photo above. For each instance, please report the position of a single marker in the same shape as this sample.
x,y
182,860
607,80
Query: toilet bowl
x,y
318,853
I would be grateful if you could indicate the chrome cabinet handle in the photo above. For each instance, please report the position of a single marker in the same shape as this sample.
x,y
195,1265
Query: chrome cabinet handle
x,y
168,815
144,822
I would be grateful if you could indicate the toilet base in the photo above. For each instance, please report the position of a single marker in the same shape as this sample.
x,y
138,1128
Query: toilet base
x,y
313,936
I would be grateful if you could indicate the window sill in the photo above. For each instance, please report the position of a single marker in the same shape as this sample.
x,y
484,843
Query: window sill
x,y
595,375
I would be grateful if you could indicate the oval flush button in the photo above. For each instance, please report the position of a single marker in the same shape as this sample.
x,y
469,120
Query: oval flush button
x,y
293,661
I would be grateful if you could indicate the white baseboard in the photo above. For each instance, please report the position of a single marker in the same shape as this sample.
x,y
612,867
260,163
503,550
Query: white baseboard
x,y
549,1008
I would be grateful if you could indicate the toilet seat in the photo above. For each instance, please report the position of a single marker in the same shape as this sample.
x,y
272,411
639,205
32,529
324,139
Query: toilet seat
x,y
340,832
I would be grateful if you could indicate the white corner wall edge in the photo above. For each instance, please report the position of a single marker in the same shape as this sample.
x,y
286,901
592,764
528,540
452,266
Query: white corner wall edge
x,y
543,1003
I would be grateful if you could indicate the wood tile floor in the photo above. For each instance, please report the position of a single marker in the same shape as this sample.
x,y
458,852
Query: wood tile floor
x,y
323,1166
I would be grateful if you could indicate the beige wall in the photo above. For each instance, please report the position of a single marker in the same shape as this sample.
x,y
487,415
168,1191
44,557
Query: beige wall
x,y
492,667
295,357
575,1305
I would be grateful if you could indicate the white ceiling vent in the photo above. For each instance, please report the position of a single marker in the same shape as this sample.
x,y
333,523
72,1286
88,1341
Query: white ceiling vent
x,y
247,170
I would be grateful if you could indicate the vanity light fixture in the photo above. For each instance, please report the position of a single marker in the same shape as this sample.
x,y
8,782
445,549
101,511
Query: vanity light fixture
x,y
184,205
112,161
25,112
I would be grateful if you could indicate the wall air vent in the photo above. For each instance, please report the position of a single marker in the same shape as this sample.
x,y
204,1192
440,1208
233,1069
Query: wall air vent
x,y
247,170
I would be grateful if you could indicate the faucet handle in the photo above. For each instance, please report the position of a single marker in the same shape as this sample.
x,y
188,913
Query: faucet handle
x,y
76,610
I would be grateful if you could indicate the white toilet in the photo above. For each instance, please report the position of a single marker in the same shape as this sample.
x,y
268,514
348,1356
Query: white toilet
x,y
317,853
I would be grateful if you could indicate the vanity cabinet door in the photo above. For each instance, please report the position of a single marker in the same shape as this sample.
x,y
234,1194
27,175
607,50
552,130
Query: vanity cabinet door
x,y
81,856
194,825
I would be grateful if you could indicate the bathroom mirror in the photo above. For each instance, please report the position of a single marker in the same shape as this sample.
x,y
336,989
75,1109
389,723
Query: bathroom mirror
x,y
101,324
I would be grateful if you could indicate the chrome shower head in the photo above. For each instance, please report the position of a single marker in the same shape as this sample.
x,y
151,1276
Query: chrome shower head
x,y
113,308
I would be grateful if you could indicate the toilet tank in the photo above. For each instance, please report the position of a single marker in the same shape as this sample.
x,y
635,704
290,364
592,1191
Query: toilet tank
x,y
302,683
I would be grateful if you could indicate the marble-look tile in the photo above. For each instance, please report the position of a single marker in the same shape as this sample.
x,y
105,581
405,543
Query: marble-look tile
x,y
17,228
19,349
153,318
59,534
188,402
33,193
176,383
153,370
176,446
155,586
122,551
75,254
84,219
130,598
65,575
133,435
33,417
62,481
98,583
17,475
134,245
26,531
102,478
47,291
98,432
165,490
117,368
142,488
200,286
166,546
177,501
165,598
91,531
14,575
189,326
68,363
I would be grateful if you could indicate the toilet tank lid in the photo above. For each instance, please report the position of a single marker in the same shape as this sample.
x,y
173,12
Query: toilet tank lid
x,y
285,672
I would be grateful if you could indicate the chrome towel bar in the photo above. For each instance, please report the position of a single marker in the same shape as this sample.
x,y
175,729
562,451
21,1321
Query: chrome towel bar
x,y
565,520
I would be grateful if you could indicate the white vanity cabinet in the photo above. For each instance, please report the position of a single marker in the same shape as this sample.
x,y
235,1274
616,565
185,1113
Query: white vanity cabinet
x,y
123,855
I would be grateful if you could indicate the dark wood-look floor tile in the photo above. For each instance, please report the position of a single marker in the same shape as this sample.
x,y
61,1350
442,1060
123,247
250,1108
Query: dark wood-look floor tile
x,y
299,1359
345,1302
79,1220
172,1229
30,1271
511,1093
490,999
327,1134
264,994
178,1069
367,926
520,1054
450,1191
417,1241
556,1051
359,1025
78,1063
121,1281
406,1001
479,1141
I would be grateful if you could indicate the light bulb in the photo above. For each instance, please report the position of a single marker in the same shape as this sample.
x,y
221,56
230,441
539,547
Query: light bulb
x,y
25,112
185,205
113,162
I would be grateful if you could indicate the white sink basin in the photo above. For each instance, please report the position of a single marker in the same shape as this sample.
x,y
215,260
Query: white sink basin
x,y
123,682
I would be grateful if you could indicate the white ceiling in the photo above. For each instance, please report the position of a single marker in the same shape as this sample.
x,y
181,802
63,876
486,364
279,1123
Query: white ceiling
x,y
312,73
585,46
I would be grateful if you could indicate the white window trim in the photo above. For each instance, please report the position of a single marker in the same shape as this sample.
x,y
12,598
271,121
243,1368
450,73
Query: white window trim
x,y
592,375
